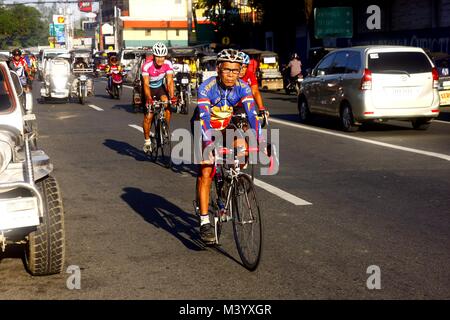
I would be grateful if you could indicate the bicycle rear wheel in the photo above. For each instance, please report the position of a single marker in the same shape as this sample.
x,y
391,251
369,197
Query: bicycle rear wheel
x,y
166,144
247,223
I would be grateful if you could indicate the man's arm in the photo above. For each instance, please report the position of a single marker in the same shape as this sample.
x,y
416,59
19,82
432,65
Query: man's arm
x,y
257,97
249,105
170,85
146,85
203,106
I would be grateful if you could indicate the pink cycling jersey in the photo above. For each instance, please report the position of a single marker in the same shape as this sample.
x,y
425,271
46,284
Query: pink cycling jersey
x,y
156,74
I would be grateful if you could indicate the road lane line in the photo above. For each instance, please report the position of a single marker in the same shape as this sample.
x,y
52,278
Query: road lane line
x,y
95,107
440,121
139,128
274,190
382,144
282,194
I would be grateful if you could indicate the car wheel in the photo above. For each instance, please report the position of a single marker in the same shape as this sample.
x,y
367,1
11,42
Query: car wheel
x,y
303,111
421,124
347,120
44,254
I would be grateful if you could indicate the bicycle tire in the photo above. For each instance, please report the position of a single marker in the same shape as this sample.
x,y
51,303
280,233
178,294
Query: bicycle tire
x,y
247,223
154,140
166,144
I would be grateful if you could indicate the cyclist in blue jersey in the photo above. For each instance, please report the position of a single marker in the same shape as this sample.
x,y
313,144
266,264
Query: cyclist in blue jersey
x,y
217,97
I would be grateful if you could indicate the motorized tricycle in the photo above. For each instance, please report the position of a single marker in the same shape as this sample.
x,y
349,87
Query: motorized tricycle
x,y
57,78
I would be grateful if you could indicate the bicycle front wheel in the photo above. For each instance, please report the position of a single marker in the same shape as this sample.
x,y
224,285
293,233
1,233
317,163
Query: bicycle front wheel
x,y
247,223
166,144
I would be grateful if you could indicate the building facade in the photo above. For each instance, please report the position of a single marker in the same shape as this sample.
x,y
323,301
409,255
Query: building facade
x,y
151,21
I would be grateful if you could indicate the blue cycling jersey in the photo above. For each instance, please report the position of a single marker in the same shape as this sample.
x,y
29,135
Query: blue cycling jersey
x,y
216,104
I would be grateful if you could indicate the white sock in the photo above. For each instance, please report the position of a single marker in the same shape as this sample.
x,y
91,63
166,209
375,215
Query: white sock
x,y
204,219
147,141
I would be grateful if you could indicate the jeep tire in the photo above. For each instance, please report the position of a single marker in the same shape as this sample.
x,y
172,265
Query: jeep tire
x,y
44,254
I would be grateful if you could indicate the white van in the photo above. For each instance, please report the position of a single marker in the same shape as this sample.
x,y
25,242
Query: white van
x,y
372,83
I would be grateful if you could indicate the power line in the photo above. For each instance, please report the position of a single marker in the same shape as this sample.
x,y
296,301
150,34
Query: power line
x,y
45,2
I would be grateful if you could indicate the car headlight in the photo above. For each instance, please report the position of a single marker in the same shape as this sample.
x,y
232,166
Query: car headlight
x,y
5,155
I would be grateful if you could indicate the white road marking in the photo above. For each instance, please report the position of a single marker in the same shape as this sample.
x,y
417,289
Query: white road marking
x,y
95,107
382,144
440,121
139,128
282,194
68,117
274,190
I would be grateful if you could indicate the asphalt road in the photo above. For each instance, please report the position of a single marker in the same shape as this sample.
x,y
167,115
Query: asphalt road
x,y
131,229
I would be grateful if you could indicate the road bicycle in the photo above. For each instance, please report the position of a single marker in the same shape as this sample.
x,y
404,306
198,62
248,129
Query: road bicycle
x,y
160,138
233,198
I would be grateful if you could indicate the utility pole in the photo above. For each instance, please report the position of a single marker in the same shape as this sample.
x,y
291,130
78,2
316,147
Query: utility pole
x,y
189,21
100,22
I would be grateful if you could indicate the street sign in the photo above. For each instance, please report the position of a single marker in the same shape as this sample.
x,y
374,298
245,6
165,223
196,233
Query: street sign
x,y
333,22
85,6
58,19
226,41
55,29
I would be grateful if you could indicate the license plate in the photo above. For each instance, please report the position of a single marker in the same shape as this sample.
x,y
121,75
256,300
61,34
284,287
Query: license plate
x,y
83,78
444,97
18,212
403,92
184,81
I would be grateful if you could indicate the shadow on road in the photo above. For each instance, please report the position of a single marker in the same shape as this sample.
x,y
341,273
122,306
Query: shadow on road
x,y
124,148
191,169
127,107
163,214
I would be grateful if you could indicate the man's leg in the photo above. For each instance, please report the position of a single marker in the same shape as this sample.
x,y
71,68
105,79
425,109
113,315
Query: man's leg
x,y
204,186
167,111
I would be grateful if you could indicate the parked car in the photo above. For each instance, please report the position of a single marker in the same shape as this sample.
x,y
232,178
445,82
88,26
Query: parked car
x,y
442,63
372,83
31,208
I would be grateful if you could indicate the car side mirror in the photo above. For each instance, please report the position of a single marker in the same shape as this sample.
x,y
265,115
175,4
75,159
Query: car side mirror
x,y
28,102
321,72
17,84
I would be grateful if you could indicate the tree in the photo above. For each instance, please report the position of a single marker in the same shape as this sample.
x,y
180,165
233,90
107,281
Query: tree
x,y
21,26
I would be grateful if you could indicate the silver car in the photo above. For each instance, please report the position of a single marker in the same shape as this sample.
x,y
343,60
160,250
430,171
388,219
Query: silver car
x,y
372,83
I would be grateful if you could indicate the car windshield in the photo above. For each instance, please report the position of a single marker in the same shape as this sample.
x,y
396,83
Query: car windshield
x,y
398,62
5,92
129,55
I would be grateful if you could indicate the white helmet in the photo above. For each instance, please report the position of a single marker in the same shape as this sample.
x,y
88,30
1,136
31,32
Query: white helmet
x,y
159,49
230,55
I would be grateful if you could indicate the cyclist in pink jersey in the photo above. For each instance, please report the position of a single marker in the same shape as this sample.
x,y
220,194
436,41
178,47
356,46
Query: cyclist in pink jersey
x,y
154,73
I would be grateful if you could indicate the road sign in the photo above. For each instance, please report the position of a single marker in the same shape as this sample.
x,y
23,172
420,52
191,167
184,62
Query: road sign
x,y
226,41
58,19
333,22
55,29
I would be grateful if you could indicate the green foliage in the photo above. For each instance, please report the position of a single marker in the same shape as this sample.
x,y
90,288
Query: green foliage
x,y
21,26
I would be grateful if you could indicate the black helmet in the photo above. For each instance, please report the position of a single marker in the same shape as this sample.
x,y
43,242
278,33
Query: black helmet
x,y
16,52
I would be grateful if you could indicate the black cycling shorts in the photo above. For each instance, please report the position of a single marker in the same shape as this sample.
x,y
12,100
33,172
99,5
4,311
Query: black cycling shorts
x,y
157,93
